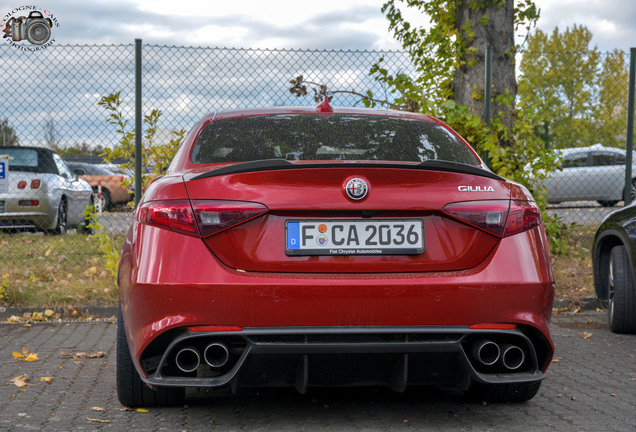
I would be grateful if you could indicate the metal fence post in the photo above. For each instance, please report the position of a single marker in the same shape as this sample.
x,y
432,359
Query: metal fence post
x,y
138,132
487,94
629,145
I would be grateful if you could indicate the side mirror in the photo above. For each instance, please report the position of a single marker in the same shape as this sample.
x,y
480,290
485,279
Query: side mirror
x,y
78,172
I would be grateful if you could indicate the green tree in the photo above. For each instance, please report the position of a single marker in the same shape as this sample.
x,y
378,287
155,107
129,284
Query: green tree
x,y
7,134
558,84
449,57
79,149
610,114
157,156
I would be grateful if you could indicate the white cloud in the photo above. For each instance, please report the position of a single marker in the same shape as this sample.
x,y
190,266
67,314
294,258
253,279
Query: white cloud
x,y
610,21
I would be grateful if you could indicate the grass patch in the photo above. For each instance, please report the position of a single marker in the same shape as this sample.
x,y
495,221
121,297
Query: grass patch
x,y
573,272
54,271
63,271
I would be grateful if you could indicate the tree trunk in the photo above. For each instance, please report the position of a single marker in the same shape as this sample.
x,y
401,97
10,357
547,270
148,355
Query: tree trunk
x,y
490,23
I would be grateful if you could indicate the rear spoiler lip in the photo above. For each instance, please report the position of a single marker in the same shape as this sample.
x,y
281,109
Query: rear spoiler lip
x,y
282,164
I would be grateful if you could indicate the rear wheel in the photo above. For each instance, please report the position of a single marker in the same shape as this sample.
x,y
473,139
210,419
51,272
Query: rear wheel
x,y
61,225
514,392
621,292
131,390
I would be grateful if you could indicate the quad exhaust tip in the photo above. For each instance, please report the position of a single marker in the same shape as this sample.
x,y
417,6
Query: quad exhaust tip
x,y
489,353
512,357
216,354
187,359
486,352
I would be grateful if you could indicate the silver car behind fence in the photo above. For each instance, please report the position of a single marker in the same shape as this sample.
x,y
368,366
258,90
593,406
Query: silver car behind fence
x,y
594,173
41,192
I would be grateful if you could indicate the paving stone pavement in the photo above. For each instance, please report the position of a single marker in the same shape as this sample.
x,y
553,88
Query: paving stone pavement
x,y
591,386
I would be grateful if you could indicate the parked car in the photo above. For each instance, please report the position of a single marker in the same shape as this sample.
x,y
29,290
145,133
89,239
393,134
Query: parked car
x,y
42,192
614,261
332,246
113,189
594,173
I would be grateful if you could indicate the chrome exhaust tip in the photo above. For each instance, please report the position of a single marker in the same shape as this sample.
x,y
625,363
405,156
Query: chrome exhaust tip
x,y
512,357
216,354
187,359
486,352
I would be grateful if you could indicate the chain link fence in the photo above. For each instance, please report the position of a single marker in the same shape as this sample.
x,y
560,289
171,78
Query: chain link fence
x,y
50,99
579,101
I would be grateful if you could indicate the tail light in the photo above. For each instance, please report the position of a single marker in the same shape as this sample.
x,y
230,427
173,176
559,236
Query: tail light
x,y
35,184
201,218
501,218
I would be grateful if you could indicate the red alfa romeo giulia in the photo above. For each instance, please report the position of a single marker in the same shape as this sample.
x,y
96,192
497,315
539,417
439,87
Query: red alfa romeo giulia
x,y
329,246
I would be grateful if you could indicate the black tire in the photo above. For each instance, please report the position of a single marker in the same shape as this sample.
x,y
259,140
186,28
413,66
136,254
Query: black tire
x,y
607,203
61,225
621,293
497,393
131,390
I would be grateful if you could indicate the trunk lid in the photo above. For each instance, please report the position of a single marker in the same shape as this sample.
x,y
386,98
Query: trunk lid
x,y
317,193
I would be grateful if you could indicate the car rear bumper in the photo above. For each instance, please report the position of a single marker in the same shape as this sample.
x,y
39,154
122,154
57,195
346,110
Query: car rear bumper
x,y
163,296
323,356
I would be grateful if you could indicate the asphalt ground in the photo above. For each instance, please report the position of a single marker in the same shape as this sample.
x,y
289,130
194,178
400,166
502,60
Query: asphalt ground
x,y
591,386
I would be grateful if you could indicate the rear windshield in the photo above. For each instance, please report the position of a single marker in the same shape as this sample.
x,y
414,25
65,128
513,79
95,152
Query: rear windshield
x,y
29,160
332,137
21,157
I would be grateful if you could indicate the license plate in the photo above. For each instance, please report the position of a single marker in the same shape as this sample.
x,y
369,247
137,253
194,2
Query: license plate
x,y
2,207
354,237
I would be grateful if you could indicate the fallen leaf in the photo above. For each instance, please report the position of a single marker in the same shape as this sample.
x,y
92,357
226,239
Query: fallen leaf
x,y
31,357
20,381
143,410
97,409
613,394
97,420
25,351
49,312
16,355
586,335
46,379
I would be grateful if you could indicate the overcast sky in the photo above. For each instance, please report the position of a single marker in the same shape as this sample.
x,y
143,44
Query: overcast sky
x,y
324,24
